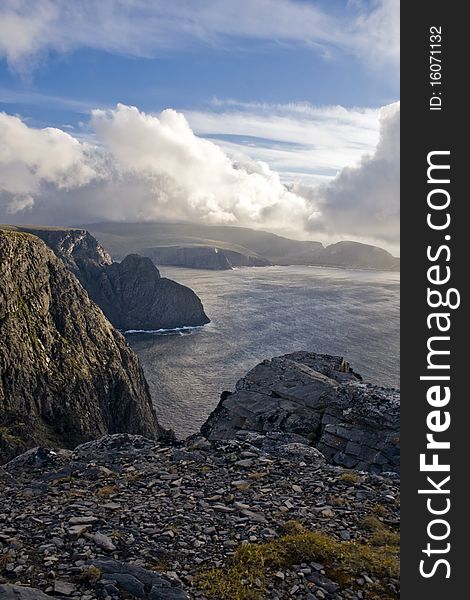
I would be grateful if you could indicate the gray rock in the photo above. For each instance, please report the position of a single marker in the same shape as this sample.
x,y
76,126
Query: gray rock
x,y
129,584
321,402
63,587
158,593
114,568
103,541
18,592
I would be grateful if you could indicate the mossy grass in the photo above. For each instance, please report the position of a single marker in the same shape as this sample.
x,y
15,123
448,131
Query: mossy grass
x,y
246,576
349,477
90,574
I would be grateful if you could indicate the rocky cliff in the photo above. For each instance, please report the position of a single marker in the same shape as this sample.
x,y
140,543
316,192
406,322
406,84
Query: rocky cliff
x,y
132,294
314,399
71,245
66,374
203,257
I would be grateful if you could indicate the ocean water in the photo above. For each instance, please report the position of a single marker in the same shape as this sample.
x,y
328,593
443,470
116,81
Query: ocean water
x,y
258,313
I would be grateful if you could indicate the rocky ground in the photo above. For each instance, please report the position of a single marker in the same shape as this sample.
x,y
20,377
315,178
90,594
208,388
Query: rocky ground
x,y
126,517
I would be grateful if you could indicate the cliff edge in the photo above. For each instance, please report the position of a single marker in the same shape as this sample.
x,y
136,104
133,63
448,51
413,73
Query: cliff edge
x,y
131,293
317,400
66,374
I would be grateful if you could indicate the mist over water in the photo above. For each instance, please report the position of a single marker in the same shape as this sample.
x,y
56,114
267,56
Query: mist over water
x,y
258,313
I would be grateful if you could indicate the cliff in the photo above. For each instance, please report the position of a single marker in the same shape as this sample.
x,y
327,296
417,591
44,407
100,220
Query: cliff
x,y
66,374
132,294
356,255
320,401
203,257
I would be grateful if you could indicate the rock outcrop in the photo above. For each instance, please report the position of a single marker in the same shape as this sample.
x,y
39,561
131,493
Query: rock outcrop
x,y
71,245
131,293
323,402
66,374
203,257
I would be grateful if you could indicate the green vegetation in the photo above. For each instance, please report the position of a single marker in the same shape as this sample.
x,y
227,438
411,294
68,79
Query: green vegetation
x,y
380,509
349,477
9,437
90,575
381,535
246,576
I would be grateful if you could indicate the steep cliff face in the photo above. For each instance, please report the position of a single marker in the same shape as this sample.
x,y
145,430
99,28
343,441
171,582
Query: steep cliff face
x,y
203,257
66,374
72,245
131,294
315,399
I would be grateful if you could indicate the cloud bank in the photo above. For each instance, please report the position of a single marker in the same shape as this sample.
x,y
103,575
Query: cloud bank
x,y
32,29
148,167
363,201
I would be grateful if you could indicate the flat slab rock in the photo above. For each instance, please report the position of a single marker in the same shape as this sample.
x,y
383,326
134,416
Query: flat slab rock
x,y
18,592
319,398
137,581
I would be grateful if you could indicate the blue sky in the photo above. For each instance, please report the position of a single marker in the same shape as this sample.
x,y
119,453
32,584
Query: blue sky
x,y
256,72
297,84
188,73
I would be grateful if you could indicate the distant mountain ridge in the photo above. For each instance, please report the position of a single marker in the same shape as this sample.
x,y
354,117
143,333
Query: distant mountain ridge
x,y
195,246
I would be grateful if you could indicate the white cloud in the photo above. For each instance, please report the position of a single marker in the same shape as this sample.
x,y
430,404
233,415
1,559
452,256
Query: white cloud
x,y
148,167
191,177
30,29
31,157
362,201
298,140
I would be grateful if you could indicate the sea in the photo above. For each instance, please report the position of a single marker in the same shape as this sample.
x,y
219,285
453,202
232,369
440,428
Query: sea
x,y
258,313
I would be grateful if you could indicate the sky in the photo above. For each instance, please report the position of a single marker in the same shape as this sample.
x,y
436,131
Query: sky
x,y
280,115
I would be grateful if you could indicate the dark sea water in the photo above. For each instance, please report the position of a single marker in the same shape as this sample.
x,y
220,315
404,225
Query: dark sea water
x,y
258,313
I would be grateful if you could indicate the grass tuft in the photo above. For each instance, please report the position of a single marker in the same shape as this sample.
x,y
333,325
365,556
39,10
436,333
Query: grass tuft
x,y
246,576
349,477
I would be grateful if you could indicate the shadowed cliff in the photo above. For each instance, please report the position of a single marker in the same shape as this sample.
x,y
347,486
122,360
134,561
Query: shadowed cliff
x,y
66,374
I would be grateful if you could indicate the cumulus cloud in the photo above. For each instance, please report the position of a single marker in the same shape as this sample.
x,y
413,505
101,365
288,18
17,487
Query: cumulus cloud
x,y
30,29
362,201
145,167
148,167
189,176
32,157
